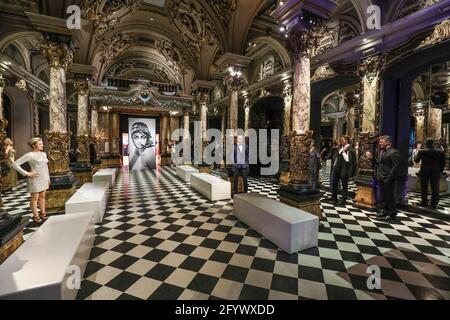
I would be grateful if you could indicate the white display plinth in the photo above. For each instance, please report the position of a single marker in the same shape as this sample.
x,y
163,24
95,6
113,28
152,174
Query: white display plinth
x,y
46,265
211,187
291,229
184,172
105,175
91,197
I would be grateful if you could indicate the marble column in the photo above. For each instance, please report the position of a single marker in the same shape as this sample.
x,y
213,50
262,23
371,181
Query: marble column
x,y
370,72
434,124
447,144
299,191
163,136
83,139
246,115
3,125
115,148
234,84
59,56
3,121
284,140
95,138
186,138
351,102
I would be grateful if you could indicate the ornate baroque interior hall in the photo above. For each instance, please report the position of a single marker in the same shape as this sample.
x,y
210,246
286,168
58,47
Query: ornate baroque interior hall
x,y
233,149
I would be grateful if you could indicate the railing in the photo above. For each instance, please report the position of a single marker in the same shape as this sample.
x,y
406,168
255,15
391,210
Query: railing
x,y
163,88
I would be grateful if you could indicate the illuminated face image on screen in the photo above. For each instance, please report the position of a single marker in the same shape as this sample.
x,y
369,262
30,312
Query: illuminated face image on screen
x,y
142,147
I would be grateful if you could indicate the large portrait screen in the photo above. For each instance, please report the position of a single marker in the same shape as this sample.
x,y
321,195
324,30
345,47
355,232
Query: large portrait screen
x,y
142,143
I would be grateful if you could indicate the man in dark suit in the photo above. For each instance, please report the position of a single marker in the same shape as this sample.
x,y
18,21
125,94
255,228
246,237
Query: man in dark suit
x,y
387,165
344,168
433,164
240,163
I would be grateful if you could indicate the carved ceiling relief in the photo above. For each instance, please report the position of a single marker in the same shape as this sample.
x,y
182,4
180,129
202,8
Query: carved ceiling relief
x,y
111,48
332,37
224,9
411,6
178,60
104,14
268,67
193,23
159,74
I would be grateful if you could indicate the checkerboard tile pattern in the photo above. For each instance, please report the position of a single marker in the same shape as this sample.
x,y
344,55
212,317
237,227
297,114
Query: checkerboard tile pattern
x,y
162,240
414,198
16,202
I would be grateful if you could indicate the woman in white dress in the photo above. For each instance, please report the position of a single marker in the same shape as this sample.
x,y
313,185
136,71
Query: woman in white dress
x,y
38,177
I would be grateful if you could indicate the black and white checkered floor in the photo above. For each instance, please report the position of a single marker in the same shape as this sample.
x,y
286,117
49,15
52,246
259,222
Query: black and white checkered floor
x,y
162,240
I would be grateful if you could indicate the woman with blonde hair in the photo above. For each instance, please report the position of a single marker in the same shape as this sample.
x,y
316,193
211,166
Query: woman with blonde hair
x,y
10,155
38,177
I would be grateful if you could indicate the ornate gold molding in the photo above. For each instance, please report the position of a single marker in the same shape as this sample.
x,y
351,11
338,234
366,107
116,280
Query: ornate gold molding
x,y
299,156
114,46
441,33
58,153
366,142
22,85
303,42
59,55
2,81
83,147
371,67
323,72
233,82
83,86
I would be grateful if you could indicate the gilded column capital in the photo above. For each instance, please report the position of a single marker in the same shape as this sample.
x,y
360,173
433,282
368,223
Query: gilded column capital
x,y
371,67
59,55
234,82
2,81
83,86
304,39
203,98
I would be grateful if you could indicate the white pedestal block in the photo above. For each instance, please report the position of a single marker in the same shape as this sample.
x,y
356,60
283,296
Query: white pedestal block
x,y
105,175
91,197
184,172
45,266
211,187
291,229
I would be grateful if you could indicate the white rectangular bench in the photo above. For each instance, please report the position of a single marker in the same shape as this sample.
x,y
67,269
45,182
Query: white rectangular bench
x,y
184,172
105,175
91,197
211,187
291,229
45,266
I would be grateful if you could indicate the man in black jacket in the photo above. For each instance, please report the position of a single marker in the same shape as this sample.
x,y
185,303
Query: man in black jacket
x,y
433,163
344,168
240,163
387,172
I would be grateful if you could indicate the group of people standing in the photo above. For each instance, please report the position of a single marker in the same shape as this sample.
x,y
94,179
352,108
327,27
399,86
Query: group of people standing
x,y
388,167
38,177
